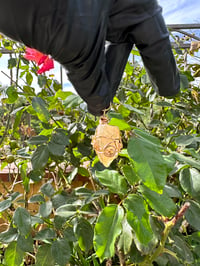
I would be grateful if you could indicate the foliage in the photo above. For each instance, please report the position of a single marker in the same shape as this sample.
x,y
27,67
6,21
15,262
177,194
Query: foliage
x,y
143,210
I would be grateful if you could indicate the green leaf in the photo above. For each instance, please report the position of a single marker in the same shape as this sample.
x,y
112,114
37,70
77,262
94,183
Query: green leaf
x,y
72,101
44,234
184,140
35,220
126,237
62,94
125,112
113,114
133,109
23,172
186,159
148,161
184,82
61,251
9,236
135,255
62,199
12,62
25,243
169,162
56,149
72,175
147,137
27,90
60,137
45,209
183,251
66,210
161,203
18,114
29,78
40,108
12,94
121,124
44,256
22,219
107,229
14,255
23,153
164,104
129,69
36,198
42,80
59,221
83,171
47,189
172,191
157,232
193,153
58,142
37,140
69,234
190,181
84,232
36,175
15,195
192,215
130,174
115,182
83,192
5,204
138,218
40,157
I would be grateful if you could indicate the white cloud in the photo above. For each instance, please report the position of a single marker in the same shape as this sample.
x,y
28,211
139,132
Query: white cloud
x,y
181,11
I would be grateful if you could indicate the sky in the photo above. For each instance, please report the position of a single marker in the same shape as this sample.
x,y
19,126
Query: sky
x,y
181,11
174,12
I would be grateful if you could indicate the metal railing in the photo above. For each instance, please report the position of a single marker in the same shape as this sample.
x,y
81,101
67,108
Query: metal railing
x,y
180,28
172,27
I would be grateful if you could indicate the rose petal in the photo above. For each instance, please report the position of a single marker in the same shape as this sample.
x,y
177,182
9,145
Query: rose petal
x,y
47,65
36,56
40,58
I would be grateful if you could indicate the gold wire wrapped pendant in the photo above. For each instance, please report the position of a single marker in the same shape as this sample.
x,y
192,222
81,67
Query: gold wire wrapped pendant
x,y
106,142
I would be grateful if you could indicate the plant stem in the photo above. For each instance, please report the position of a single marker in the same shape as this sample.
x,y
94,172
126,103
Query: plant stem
x,y
121,257
109,262
168,226
7,124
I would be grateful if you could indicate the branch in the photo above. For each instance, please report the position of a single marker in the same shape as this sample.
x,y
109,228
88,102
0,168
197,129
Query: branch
x,y
168,226
180,213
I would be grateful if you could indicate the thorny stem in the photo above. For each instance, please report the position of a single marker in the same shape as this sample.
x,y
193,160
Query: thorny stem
x,y
55,180
31,255
121,256
109,262
12,80
57,123
91,179
168,226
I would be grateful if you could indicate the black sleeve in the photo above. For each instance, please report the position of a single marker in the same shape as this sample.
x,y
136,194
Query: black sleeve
x,y
152,40
116,58
73,32
140,22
